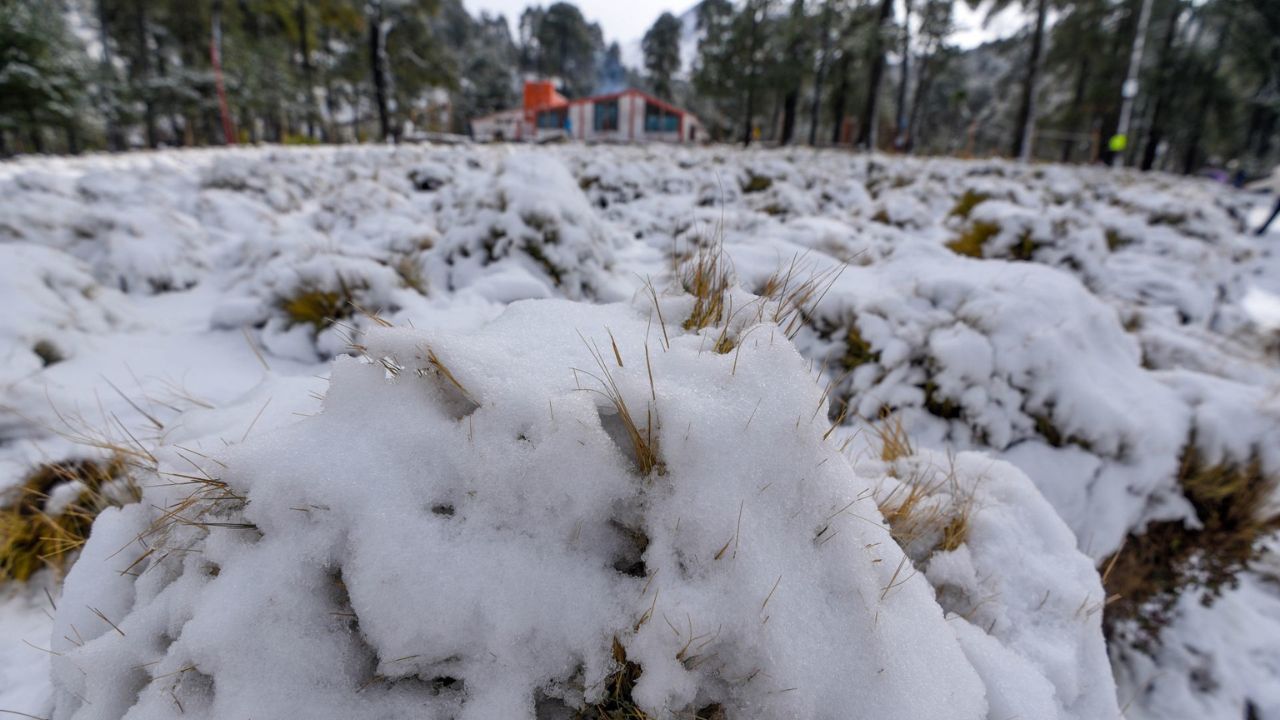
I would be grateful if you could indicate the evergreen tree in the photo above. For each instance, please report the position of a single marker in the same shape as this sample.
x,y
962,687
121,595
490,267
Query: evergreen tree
x,y
559,42
42,76
661,45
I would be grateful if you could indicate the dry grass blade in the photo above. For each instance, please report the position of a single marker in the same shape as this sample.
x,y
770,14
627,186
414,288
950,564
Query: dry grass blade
x,y
434,361
707,278
644,442
894,442
795,300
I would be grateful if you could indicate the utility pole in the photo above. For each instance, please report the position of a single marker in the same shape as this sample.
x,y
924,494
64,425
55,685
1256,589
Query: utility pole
x,y
1120,141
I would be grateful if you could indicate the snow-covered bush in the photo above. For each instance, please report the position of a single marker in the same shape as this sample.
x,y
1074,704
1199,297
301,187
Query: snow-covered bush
x,y
134,235
530,232
470,528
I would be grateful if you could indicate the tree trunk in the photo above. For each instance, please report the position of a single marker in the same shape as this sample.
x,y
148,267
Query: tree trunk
x,y
1082,83
789,103
378,59
815,111
1192,157
1025,128
331,131
115,141
795,52
144,70
900,121
35,135
73,137
840,98
917,102
752,70
308,72
869,127
1155,131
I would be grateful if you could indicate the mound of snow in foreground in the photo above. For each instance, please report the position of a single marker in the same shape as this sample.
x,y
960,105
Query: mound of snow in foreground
x,y
465,531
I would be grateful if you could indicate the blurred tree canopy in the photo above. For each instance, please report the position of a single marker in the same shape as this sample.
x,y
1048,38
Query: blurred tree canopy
x,y
885,74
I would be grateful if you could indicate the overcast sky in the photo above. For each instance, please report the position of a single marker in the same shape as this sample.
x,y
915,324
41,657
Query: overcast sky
x,y
627,20
621,20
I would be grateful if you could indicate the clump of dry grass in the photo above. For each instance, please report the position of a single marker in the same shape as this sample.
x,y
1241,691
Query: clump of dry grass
x,y
643,440
972,241
894,442
756,183
707,277
1116,241
312,305
1151,571
618,704
857,351
787,298
967,202
35,534
1025,248
795,299
927,511
48,353
410,272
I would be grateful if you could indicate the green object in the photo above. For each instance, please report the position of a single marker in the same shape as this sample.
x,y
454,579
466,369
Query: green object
x,y
1118,142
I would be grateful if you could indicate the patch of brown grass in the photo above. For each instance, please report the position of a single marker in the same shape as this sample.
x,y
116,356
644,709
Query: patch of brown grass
x,y
894,442
927,512
34,535
967,202
972,241
707,277
756,183
320,308
857,351
1151,571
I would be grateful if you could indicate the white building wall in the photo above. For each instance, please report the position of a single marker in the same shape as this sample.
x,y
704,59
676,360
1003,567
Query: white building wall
x,y
511,125
500,126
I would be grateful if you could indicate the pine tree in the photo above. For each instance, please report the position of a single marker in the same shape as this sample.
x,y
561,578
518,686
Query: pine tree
x,y
42,75
661,46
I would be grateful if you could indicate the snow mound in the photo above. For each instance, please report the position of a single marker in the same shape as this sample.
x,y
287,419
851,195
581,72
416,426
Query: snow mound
x,y
1014,357
52,305
466,531
530,232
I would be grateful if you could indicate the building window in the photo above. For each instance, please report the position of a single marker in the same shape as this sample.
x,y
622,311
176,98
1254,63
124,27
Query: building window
x,y
606,115
657,120
552,119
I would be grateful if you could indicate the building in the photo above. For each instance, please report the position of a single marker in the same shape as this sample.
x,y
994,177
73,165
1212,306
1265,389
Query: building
x,y
626,116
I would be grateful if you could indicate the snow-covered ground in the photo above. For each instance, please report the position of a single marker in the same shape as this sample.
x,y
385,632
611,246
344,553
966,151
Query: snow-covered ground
x,y
454,520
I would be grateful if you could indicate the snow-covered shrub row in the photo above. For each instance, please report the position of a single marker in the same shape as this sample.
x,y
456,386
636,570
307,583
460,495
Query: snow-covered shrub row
x,y
464,531
1097,339
1090,327
132,229
296,240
